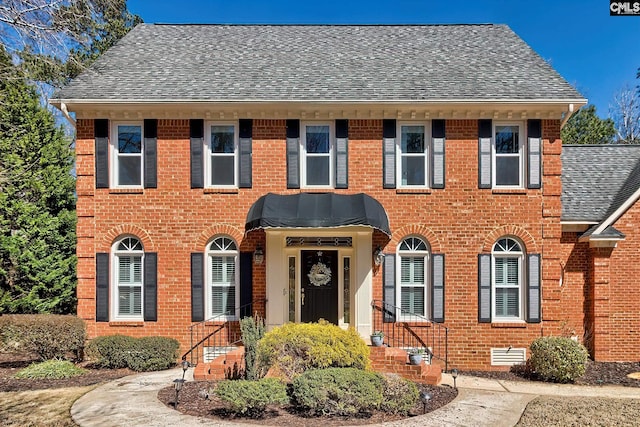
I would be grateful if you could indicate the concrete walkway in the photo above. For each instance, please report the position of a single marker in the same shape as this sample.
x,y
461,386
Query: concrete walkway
x,y
132,401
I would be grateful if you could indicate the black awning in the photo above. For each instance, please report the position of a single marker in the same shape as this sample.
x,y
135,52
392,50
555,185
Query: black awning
x,y
317,210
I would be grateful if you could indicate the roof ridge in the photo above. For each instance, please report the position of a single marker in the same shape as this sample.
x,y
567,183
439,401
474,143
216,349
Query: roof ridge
x,y
167,24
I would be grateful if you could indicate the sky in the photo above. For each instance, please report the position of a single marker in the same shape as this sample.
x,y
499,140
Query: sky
x,y
598,54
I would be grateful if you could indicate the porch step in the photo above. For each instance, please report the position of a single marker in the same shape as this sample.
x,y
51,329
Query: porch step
x,y
393,360
227,365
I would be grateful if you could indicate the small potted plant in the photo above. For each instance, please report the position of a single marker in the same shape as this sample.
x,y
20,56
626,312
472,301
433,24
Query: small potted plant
x,y
416,356
377,338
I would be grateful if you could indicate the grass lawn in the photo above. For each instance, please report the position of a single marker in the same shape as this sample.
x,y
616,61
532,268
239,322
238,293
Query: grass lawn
x,y
40,408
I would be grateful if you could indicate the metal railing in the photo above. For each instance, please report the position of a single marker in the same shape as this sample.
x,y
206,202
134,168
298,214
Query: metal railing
x,y
213,337
409,331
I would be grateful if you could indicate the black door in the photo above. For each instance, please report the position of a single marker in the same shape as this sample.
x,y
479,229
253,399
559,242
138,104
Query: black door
x,y
319,289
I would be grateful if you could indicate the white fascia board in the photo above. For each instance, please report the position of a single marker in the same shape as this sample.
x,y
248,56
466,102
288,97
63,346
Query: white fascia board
x,y
618,212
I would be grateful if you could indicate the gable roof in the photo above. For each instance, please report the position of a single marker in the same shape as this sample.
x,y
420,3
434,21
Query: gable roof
x,y
597,180
417,63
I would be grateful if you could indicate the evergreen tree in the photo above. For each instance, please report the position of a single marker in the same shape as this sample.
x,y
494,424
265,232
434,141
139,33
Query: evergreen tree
x,y
37,216
585,127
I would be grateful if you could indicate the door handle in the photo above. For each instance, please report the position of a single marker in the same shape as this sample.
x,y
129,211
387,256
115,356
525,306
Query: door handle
x,y
302,296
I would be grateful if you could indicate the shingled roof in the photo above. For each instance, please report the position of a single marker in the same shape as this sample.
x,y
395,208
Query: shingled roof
x,y
597,180
185,63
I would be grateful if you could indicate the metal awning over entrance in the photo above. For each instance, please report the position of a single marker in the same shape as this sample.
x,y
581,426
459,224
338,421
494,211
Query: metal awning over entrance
x,y
317,210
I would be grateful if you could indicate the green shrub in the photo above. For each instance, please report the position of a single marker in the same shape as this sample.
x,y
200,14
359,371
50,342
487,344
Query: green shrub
x,y
50,370
557,359
49,336
399,395
295,347
252,331
251,398
139,354
338,391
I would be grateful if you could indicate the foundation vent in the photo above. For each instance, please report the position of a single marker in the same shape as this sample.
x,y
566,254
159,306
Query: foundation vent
x,y
508,356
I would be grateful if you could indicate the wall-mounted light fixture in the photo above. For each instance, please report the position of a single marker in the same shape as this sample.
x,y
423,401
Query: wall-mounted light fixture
x,y
258,256
378,256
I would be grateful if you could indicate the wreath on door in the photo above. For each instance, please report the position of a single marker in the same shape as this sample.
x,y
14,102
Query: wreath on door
x,y
320,274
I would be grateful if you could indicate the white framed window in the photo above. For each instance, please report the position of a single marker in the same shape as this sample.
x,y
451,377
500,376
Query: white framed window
x,y
222,293
318,151
507,259
127,139
127,289
508,155
413,154
221,139
412,265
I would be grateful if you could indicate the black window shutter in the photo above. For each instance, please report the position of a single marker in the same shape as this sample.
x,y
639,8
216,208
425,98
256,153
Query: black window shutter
x,y
293,153
197,287
438,153
102,287
437,288
246,284
534,153
151,153
101,136
150,287
484,288
485,134
246,153
342,154
534,296
389,288
197,152
388,153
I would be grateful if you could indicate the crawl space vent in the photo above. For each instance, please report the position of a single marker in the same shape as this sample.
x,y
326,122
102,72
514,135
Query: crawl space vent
x,y
508,356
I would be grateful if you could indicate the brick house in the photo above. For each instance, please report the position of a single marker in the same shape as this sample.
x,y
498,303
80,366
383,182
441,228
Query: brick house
x,y
404,178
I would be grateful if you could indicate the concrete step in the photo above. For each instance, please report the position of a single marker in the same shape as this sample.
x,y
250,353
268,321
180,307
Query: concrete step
x,y
228,365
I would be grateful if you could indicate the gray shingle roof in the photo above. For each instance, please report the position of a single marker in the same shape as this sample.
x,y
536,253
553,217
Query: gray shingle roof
x,y
319,62
597,179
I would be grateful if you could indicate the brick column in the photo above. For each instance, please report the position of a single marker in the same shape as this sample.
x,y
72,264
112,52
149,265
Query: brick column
x,y
599,319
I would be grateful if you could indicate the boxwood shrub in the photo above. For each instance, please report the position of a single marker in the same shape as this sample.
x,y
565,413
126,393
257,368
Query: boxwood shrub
x,y
138,354
399,394
251,398
557,359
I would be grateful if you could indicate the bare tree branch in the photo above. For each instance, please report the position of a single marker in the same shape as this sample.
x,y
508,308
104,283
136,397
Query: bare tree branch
x,y
625,112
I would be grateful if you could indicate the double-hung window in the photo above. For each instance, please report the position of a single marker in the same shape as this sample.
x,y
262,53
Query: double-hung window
x,y
413,257
128,256
127,149
508,258
222,158
508,155
222,279
413,158
317,155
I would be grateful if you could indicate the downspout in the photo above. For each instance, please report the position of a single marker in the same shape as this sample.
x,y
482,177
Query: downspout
x,y
566,117
71,120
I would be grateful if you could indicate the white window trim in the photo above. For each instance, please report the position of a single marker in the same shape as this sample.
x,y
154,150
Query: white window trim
x,y
427,280
209,254
114,285
521,284
426,154
114,154
521,155
208,153
303,154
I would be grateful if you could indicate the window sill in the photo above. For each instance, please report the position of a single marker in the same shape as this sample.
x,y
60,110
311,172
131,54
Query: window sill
x,y
413,191
127,323
221,190
509,191
509,325
126,191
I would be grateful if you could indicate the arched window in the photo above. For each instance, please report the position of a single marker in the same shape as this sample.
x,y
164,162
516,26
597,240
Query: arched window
x,y
413,259
222,278
508,257
128,256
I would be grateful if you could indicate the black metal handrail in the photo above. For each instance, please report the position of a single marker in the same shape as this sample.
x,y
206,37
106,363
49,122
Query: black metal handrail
x,y
411,331
220,331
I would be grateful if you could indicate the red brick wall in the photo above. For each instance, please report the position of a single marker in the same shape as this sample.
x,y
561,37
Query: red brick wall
x,y
460,221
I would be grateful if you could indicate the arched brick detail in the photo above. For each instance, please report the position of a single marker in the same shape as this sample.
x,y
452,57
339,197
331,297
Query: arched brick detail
x,y
510,230
216,230
414,230
126,229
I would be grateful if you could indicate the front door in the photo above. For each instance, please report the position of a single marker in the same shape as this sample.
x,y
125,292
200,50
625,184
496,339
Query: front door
x,y
319,286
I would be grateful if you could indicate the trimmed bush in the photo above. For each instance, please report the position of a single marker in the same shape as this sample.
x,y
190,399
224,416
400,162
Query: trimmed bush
x,y
49,336
50,370
338,391
296,347
252,331
251,398
400,394
557,359
138,354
